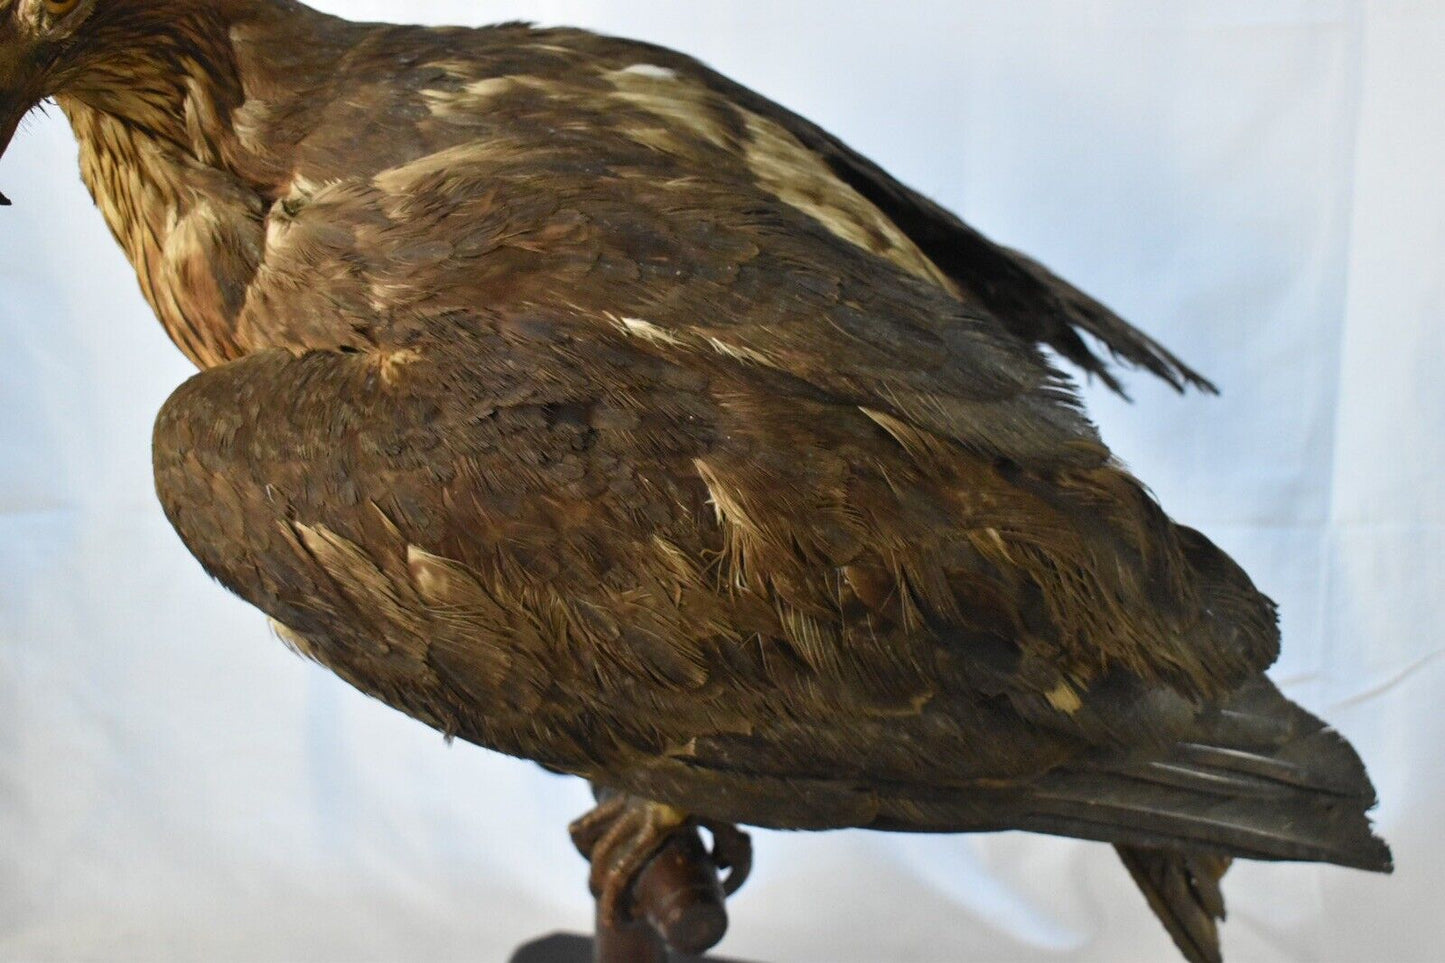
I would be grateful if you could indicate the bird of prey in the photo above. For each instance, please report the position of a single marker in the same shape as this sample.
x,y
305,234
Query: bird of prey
x,y
585,405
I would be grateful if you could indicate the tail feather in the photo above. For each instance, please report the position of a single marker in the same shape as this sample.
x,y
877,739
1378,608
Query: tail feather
x,y
1259,778
1183,890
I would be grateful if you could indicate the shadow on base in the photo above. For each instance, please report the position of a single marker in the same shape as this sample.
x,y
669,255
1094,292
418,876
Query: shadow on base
x,y
568,948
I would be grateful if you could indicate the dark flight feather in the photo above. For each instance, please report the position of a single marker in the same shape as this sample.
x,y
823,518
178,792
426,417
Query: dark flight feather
x,y
1023,295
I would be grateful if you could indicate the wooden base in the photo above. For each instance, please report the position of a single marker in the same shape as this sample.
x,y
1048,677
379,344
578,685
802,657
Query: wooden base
x,y
570,948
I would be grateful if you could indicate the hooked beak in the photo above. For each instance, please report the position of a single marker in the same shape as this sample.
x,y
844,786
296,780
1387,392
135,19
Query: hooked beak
x,y
10,114
15,102
23,66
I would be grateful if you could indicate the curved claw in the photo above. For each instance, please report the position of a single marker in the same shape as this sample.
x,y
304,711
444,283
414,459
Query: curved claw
x,y
732,850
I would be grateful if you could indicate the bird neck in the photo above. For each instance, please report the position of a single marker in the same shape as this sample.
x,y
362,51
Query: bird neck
x,y
162,128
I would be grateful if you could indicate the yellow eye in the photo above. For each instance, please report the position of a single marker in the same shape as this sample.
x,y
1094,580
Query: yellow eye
x,y
60,7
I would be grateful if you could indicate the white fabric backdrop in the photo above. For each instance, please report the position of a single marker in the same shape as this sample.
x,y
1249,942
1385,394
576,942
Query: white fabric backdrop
x,y
1258,182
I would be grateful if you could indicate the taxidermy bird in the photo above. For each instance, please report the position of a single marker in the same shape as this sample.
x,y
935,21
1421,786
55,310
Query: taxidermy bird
x,y
584,405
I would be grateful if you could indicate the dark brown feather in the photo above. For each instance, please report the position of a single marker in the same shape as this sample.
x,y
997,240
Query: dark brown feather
x,y
586,406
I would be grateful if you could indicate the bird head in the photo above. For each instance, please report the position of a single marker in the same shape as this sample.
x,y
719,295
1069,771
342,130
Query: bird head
x,y
118,56
39,53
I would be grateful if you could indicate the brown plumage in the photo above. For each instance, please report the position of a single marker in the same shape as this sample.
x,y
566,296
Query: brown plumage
x,y
584,405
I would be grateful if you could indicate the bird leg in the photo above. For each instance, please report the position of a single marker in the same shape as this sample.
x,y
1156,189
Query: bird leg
x,y
654,879
620,837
